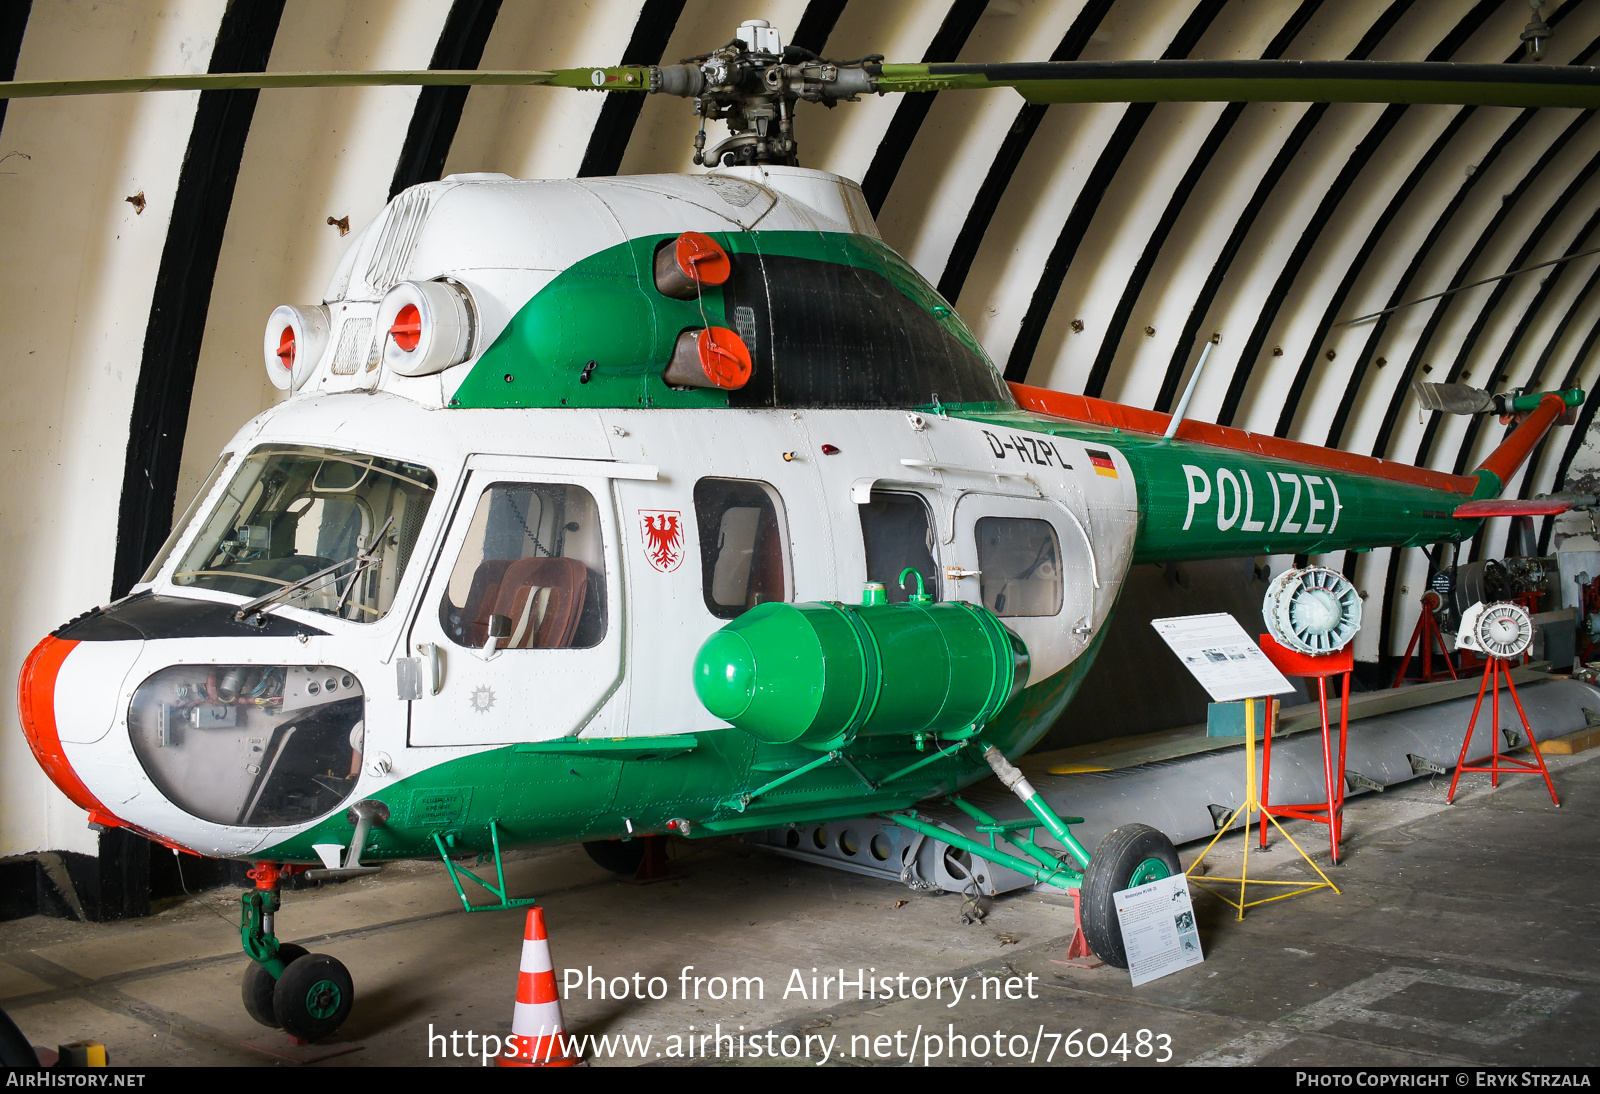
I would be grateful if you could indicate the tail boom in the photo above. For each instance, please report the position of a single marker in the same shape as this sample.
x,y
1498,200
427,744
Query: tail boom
x,y
1215,492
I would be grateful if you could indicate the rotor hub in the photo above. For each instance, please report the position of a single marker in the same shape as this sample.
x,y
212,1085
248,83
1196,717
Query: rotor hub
x,y
752,84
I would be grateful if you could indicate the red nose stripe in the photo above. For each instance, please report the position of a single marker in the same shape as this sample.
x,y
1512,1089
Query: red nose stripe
x,y
36,705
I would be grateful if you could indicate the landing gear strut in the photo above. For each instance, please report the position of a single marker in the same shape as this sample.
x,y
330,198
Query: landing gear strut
x,y
1131,855
307,995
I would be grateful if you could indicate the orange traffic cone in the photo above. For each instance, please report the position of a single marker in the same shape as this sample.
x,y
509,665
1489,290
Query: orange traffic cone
x,y
538,1038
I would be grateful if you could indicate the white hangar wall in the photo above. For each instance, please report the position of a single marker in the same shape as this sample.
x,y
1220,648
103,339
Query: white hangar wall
x,y
79,270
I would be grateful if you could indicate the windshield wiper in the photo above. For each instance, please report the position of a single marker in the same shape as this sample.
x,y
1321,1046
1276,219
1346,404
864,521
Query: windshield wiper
x,y
362,559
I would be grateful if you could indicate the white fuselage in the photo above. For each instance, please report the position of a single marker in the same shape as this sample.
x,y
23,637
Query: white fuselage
x,y
636,681
503,240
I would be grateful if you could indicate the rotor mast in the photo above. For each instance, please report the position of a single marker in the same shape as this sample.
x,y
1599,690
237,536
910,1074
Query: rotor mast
x,y
752,84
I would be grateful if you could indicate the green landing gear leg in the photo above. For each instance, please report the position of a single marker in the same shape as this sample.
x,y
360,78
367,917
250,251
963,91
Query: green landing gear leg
x,y
307,995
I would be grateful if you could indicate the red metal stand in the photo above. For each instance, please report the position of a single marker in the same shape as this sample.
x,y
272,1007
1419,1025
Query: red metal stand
x,y
1079,947
1427,632
1500,764
1320,667
653,866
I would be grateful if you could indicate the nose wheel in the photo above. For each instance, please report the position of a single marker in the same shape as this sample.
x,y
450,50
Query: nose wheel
x,y
259,985
307,995
313,997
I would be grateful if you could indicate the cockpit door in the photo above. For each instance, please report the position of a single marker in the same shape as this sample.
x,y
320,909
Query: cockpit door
x,y
518,636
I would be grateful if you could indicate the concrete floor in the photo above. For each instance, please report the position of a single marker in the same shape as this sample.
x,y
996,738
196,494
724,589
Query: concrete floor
x,y
1463,935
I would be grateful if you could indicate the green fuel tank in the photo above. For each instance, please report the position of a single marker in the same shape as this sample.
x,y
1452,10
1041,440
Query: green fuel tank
x,y
822,674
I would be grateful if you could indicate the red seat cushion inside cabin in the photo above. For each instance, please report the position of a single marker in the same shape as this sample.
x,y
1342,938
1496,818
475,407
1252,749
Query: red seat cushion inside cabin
x,y
543,598
481,597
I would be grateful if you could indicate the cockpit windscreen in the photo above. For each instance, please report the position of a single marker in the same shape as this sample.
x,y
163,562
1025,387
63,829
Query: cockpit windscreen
x,y
293,511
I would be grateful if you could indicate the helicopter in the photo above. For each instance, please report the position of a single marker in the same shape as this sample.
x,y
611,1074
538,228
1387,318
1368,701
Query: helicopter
x,y
606,508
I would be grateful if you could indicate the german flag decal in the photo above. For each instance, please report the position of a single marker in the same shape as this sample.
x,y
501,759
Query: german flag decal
x,y
1102,462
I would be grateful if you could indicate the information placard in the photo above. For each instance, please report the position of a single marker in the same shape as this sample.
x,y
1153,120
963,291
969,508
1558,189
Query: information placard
x,y
1158,928
1217,653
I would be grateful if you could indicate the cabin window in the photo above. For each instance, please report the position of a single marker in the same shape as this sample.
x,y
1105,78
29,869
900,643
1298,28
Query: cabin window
x,y
1020,561
534,557
332,530
897,530
742,541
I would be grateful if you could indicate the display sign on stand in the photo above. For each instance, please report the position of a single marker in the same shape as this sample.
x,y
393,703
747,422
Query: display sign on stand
x,y
1221,656
1217,652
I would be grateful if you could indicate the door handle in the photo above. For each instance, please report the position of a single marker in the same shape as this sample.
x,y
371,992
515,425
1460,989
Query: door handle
x,y
433,660
499,631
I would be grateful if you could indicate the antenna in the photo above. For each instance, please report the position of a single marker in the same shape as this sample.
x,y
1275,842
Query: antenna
x,y
1188,392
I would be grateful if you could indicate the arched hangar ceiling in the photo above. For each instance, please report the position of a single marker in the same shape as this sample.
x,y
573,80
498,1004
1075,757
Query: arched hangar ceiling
x,y
1093,248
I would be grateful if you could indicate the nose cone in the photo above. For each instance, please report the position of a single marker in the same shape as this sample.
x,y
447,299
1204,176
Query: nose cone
x,y
765,673
36,705
725,675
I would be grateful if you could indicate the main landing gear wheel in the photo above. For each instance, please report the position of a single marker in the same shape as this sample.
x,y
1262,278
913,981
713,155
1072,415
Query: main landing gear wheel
x,y
616,855
313,997
1131,855
259,985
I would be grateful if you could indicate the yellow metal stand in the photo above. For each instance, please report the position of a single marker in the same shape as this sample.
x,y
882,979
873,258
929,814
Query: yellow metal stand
x,y
1252,804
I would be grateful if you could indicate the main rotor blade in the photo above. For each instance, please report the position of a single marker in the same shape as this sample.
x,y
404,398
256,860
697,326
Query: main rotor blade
x,y
1516,85
593,79
1519,85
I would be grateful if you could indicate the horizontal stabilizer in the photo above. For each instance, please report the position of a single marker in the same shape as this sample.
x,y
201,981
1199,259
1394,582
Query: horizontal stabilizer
x,y
1510,507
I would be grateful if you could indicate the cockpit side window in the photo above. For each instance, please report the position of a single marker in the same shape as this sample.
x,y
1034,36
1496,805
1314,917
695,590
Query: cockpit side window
x,y
1019,564
182,524
534,557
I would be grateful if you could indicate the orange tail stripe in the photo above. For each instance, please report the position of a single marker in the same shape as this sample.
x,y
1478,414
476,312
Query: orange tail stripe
x,y
1504,461
1081,408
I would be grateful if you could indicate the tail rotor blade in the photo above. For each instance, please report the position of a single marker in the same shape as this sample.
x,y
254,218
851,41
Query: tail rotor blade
x,y
1452,398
